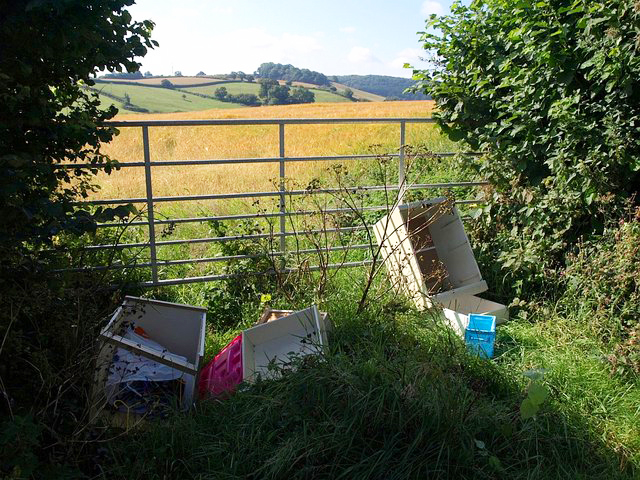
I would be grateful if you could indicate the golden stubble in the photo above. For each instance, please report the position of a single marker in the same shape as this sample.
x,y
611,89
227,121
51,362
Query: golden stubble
x,y
229,142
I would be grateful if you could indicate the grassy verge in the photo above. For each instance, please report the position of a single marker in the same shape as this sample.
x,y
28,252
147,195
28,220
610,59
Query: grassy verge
x,y
398,397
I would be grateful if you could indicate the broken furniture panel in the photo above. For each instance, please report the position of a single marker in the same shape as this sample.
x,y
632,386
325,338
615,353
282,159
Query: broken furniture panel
x,y
273,342
144,338
269,314
427,252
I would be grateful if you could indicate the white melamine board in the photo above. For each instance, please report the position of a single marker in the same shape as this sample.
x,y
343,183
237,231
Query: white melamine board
x,y
457,310
300,333
427,252
180,329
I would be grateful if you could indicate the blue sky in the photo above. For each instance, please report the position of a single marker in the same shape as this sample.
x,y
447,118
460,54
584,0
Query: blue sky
x,y
335,37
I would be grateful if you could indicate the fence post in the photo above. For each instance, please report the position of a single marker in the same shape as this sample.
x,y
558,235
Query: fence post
x,y
283,207
150,216
402,172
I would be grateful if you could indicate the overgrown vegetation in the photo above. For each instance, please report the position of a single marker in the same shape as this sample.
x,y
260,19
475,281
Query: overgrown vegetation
x,y
48,118
550,92
48,51
396,395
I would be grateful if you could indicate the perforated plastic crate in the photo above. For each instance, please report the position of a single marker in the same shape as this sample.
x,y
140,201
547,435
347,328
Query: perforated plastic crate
x,y
224,372
480,334
458,309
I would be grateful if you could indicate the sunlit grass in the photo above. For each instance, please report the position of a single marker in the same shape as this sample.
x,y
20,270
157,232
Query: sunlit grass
x,y
228,142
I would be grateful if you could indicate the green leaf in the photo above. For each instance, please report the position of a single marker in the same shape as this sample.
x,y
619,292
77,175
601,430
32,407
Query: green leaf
x,y
494,463
538,393
536,374
528,409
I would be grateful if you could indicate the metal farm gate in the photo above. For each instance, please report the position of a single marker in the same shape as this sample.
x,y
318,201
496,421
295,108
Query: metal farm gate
x,y
151,201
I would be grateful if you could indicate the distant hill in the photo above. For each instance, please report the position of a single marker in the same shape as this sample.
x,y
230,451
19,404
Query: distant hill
x,y
278,71
157,81
184,94
386,86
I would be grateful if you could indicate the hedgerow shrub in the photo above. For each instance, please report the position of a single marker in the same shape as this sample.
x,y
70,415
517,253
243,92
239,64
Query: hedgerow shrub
x,y
550,91
603,287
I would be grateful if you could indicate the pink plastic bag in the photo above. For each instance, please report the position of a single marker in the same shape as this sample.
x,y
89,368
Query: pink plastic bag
x,y
224,372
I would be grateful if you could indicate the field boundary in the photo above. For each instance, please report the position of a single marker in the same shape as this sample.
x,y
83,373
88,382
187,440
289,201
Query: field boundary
x,y
282,193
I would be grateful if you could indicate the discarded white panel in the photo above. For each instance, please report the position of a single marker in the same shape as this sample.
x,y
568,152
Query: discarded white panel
x,y
427,252
273,342
180,329
270,315
457,310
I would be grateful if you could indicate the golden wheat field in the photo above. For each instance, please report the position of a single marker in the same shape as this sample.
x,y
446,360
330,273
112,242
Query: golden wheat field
x,y
228,142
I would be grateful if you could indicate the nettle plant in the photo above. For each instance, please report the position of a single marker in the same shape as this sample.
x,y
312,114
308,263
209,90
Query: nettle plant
x,y
550,91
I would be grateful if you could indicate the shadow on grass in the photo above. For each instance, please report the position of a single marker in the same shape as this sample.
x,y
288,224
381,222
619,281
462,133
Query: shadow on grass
x,y
397,398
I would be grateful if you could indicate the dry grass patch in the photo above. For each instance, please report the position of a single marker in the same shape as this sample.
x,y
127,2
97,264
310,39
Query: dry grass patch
x,y
227,142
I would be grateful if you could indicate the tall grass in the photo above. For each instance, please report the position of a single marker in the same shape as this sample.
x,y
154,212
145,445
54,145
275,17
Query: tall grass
x,y
396,397
228,142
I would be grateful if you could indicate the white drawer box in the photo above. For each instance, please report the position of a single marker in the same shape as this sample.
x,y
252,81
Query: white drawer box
x,y
302,333
457,310
180,329
427,252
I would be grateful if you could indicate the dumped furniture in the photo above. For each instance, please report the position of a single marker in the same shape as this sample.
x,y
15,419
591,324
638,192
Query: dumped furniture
x,y
272,343
270,315
429,258
224,372
150,356
277,335
427,252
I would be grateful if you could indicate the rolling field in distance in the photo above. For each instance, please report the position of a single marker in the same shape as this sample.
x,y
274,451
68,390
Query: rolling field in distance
x,y
235,88
160,100
180,81
361,94
229,142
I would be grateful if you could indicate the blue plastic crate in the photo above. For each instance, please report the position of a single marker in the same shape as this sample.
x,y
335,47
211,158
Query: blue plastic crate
x,y
480,334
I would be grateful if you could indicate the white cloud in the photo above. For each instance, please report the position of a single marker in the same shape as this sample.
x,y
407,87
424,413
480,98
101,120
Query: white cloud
x,y
248,48
408,55
362,55
430,6
348,29
219,9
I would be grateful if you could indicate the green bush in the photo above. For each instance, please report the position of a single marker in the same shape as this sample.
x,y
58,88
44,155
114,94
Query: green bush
x,y
550,91
603,286
227,300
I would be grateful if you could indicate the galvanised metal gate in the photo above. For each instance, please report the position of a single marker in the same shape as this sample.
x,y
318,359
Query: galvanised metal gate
x,y
282,193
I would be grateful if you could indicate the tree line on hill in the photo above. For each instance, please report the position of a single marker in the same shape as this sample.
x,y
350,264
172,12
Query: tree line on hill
x,y
392,88
271,93
278,71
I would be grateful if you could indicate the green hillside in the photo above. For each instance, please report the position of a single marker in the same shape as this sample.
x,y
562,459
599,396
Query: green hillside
x,y
159,100
235,88
384,85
